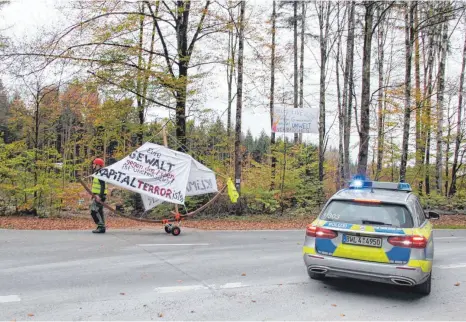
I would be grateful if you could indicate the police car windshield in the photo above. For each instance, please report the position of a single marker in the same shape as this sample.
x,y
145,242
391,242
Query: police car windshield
x,y
351,212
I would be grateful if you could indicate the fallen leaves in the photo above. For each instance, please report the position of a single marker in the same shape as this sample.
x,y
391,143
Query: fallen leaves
x,y
342,315
69,223
253,301
160,315
84,221
122,293
334,305
457,284
244,274
30,314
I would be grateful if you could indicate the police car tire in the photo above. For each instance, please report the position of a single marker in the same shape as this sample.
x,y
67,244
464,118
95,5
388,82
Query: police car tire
x,y
425,287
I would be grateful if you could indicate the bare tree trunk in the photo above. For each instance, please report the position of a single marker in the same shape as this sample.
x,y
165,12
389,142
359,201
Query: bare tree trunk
x,y
417,73
341,121
428,107
348,91
295,51
447,151
232,40
301,62
323,13
380,110
239,102
409,35
36,146
458,138
139,99
440,107
272,96
365,95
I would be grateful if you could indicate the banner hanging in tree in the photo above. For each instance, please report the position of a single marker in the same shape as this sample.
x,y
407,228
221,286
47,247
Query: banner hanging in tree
x,y
157,172
295,120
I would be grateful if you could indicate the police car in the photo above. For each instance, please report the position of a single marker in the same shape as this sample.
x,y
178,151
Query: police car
x,y
376,231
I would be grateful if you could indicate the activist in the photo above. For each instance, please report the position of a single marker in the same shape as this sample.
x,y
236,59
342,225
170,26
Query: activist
x,y
99,193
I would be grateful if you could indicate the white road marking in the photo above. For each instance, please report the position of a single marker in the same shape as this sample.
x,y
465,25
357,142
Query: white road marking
x,y
446,237
232,285
460,265
9,298
174,289
148,245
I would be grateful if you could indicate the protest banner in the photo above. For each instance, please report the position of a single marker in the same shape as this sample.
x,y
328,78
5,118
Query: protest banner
x,y
295,120
159,173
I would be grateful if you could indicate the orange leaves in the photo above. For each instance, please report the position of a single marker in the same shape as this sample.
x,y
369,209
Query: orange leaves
x,y
258,223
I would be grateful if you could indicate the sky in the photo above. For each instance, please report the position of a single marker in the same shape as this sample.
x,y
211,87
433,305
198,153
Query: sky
x,y
26,17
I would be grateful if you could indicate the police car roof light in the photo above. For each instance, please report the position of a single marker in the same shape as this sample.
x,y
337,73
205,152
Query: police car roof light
x,y
404,186
360,183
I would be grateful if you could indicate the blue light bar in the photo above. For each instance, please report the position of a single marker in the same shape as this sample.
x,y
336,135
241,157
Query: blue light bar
x,y
404,186
360,182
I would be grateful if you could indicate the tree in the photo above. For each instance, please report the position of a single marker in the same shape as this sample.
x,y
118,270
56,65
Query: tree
x,y
301,61
184,50
365,95
272,93
239,99
348,87
381,35
458,137
4,108
324,12
295,60
232,46
440,108
409,36
249,142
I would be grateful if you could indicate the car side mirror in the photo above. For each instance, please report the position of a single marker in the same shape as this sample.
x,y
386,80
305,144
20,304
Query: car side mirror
x,y
432,214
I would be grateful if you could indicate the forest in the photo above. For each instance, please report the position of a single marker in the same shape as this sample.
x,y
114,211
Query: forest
x,y
387,78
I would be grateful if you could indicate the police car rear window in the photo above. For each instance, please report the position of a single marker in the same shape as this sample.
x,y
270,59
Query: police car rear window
x,y
371,214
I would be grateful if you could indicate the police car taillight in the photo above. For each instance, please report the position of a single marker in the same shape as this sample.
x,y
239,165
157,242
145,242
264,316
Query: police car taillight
x,y
408,241
319,232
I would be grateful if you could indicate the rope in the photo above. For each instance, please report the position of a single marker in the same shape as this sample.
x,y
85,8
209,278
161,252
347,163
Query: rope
x,y
184,150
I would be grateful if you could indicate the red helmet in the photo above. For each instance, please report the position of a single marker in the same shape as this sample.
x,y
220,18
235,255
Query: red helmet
x,y
98,161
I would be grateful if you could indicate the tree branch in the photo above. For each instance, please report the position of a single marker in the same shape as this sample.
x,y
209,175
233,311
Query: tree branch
x,y
199,28
131,91
162,39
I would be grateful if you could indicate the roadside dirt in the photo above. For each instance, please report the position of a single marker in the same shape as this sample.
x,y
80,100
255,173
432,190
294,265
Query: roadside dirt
x,y
82,223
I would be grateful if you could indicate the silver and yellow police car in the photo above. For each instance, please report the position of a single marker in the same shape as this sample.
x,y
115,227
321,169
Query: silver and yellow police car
x,y
375,231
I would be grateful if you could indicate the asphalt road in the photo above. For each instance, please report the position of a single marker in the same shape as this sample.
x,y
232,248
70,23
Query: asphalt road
x,y
255,275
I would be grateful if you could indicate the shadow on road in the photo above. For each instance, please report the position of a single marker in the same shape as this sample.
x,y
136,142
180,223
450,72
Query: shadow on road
x,y
381,290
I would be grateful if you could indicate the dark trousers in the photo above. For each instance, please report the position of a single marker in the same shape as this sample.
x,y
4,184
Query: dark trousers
x,y
97,213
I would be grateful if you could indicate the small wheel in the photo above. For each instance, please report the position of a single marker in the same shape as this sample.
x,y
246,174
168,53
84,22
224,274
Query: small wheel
x,y
168,228
425,287
176,230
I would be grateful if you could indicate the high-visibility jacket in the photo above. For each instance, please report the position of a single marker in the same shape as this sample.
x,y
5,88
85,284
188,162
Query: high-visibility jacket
x,y
97,186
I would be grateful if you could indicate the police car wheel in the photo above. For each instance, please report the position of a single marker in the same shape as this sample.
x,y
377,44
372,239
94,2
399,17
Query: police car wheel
x,y
425,287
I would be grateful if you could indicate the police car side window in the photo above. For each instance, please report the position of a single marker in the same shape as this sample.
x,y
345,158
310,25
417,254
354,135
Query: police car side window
x,y
420,212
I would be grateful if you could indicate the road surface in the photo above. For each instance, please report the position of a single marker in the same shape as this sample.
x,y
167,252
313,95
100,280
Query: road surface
x,y
214,275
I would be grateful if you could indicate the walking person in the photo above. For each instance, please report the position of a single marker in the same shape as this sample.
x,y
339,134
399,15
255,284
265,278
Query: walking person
x,y
99,193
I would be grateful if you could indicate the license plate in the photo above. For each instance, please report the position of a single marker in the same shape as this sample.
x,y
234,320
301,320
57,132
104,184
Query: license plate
x,y
362,240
